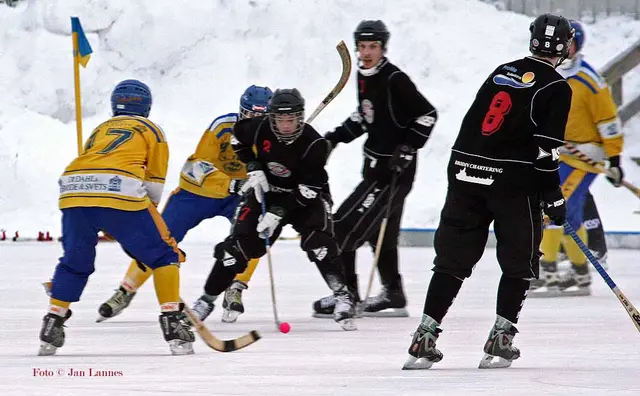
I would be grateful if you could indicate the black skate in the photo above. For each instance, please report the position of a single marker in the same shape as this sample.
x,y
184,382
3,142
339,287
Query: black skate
x,y
52,333
344,311
232,304
500,345
115,305
576,282
389,303
177,333
423,352
203,307
547,283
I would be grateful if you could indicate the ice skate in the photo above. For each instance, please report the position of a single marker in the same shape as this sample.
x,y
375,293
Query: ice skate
x,y
576,282
344,312
388,303
52,333
323,308
500,345
115,305
203,307
423,352
547,283
232,304
177,333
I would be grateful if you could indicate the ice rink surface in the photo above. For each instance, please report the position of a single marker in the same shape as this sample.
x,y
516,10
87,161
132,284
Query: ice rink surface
x,y
577,345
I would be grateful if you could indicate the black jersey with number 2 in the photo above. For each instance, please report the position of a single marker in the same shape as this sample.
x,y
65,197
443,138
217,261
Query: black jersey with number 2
x,y
508,140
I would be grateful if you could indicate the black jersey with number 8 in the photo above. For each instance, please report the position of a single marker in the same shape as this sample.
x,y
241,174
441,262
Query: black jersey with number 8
x,y
508,140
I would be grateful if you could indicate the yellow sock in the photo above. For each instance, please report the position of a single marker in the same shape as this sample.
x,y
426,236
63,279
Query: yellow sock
x,y
167,284
135,276
58,307
574,253
245,277
551,240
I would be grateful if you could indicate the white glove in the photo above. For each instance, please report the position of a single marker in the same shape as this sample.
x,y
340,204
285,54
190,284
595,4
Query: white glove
x,y
267,224
257,180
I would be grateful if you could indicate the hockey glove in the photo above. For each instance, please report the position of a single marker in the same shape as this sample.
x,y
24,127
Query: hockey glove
x,y
235,185
555,206
268,222
401,158
616,171
256,180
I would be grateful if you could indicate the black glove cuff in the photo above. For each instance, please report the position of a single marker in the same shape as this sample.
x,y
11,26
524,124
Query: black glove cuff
x,y
277,210
253,166
614,162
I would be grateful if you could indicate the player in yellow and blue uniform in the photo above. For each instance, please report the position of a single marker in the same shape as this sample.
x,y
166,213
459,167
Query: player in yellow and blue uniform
x,y
210,182
594,128
115,186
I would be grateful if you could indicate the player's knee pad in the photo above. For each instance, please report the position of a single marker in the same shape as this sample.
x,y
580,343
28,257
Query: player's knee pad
x,y
229,253
320,247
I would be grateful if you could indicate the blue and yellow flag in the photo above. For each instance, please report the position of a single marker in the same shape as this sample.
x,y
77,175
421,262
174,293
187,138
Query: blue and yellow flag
x,y
81,47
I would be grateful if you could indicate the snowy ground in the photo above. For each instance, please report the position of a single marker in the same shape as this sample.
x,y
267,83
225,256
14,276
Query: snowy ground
x,y
198,57
581,346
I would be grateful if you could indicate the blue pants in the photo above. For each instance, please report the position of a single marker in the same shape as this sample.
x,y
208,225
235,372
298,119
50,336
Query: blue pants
x,y
185,210
141,233
575,187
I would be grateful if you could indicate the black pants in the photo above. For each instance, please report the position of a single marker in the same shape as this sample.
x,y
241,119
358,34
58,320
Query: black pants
x,y
358,220
593,224
314,223
461,237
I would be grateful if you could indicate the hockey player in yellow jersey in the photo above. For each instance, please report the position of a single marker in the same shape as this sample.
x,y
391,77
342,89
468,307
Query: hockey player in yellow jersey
x,y
115,186
593,126
210,182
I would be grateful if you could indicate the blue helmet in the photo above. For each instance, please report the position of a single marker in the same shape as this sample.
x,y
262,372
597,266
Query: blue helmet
x,y
255,101
579,35
131,97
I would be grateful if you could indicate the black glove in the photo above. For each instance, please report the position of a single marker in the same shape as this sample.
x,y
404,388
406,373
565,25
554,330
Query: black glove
x,y
402,157
235,185
616,170
555,206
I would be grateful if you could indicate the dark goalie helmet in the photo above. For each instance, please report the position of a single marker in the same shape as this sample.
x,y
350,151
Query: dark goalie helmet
x,y
286,114
551,36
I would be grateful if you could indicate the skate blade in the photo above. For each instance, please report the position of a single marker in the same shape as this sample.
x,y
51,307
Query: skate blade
x,y
544,292
46,349
414,363
322,315
388,313
179,348
488,363
101,318
230,316
348,324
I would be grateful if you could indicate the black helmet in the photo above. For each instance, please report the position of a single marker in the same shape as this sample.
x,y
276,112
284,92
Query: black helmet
x,y
551,36
287,102
371,31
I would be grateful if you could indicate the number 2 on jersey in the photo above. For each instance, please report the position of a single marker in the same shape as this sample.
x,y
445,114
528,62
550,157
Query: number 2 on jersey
x,y
500,106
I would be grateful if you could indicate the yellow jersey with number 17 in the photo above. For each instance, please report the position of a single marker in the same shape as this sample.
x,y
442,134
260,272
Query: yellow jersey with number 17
x,y
211,168
123,166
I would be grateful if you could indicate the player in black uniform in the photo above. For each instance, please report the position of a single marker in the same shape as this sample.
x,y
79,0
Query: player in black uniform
x,y
287,174
398,121
503,168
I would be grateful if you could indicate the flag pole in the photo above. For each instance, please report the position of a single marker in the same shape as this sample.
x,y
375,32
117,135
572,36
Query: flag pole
x,y
76,83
